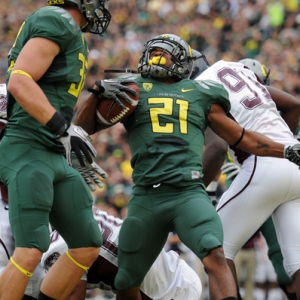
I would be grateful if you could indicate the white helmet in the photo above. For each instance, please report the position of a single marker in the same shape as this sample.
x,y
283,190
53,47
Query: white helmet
x,y
3,101
260,70
97,16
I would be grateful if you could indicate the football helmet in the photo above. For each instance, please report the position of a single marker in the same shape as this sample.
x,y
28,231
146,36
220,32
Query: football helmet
x,y
200,64
260,70
97,16
3,101
181,56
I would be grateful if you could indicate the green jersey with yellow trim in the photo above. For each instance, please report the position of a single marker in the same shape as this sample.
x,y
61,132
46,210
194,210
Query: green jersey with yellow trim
x,y
166,130
62,82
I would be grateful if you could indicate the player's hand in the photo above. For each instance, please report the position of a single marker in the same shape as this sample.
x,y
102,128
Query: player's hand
x,y
89,172
230,170
77,140
292,153
115,89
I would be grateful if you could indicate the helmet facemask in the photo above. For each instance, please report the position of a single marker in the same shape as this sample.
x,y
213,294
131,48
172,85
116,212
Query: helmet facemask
x,y
180,53
94,11
97,16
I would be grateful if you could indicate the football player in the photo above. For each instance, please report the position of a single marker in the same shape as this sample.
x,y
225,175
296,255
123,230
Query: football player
x,y
7,243
169,277
253,106
46,73
166,138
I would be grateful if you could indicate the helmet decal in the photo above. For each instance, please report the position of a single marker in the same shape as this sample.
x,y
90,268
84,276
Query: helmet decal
x,y
264,70
260,70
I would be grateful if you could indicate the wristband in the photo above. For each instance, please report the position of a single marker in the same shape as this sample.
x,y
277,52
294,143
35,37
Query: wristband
x,y
95,92
239,140
100,86
58,124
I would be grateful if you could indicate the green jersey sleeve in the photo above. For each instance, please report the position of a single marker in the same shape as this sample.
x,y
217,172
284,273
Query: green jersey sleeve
x,y
53,23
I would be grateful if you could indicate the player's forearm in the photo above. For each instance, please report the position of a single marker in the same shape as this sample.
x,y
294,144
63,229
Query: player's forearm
x,y
85,114
260,145
31,98
213,156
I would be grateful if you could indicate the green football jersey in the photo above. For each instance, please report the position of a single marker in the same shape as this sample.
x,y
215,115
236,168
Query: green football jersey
x,y
63,81
166,130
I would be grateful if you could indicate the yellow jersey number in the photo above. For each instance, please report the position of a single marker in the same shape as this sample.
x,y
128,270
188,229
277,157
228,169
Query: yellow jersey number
x,y
73,90
167,109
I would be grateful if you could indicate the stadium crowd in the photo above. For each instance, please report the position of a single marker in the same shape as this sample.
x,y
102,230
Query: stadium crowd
x,y
267,30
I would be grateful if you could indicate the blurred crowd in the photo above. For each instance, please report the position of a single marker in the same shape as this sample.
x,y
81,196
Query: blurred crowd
x,y
266,30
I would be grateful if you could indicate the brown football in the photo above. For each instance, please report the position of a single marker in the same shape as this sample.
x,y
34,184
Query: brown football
x,y
109,112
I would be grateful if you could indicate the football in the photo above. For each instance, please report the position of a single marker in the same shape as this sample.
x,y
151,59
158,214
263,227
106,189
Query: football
x,y
109,112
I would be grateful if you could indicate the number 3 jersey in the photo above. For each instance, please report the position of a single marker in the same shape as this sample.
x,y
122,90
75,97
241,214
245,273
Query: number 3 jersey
x,y
168,278
166,130
251,104
61,83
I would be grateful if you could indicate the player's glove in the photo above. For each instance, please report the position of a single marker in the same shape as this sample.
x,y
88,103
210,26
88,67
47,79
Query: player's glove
x,y
73,138
89,172
114,89
211,190
230,170
77,140
292,153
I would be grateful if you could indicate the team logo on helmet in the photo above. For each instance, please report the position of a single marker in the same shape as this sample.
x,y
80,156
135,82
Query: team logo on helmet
x,y
264,70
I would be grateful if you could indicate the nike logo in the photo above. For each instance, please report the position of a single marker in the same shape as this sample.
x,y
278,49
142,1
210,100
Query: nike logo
x,y
184,90
156,185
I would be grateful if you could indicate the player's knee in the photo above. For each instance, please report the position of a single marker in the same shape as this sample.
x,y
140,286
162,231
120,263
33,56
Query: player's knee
x,y
125,280
209,242
28,257
88,255
215,261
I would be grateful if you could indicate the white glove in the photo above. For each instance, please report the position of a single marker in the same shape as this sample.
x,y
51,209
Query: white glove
x,y
211,190
89,172
114,89
77,140
230,169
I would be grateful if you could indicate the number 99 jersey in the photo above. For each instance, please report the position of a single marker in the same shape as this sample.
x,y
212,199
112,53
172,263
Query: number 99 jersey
x,y
251,104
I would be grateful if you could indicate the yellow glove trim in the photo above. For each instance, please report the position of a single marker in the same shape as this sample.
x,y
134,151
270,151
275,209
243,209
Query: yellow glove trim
x,y
26,273
77,263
